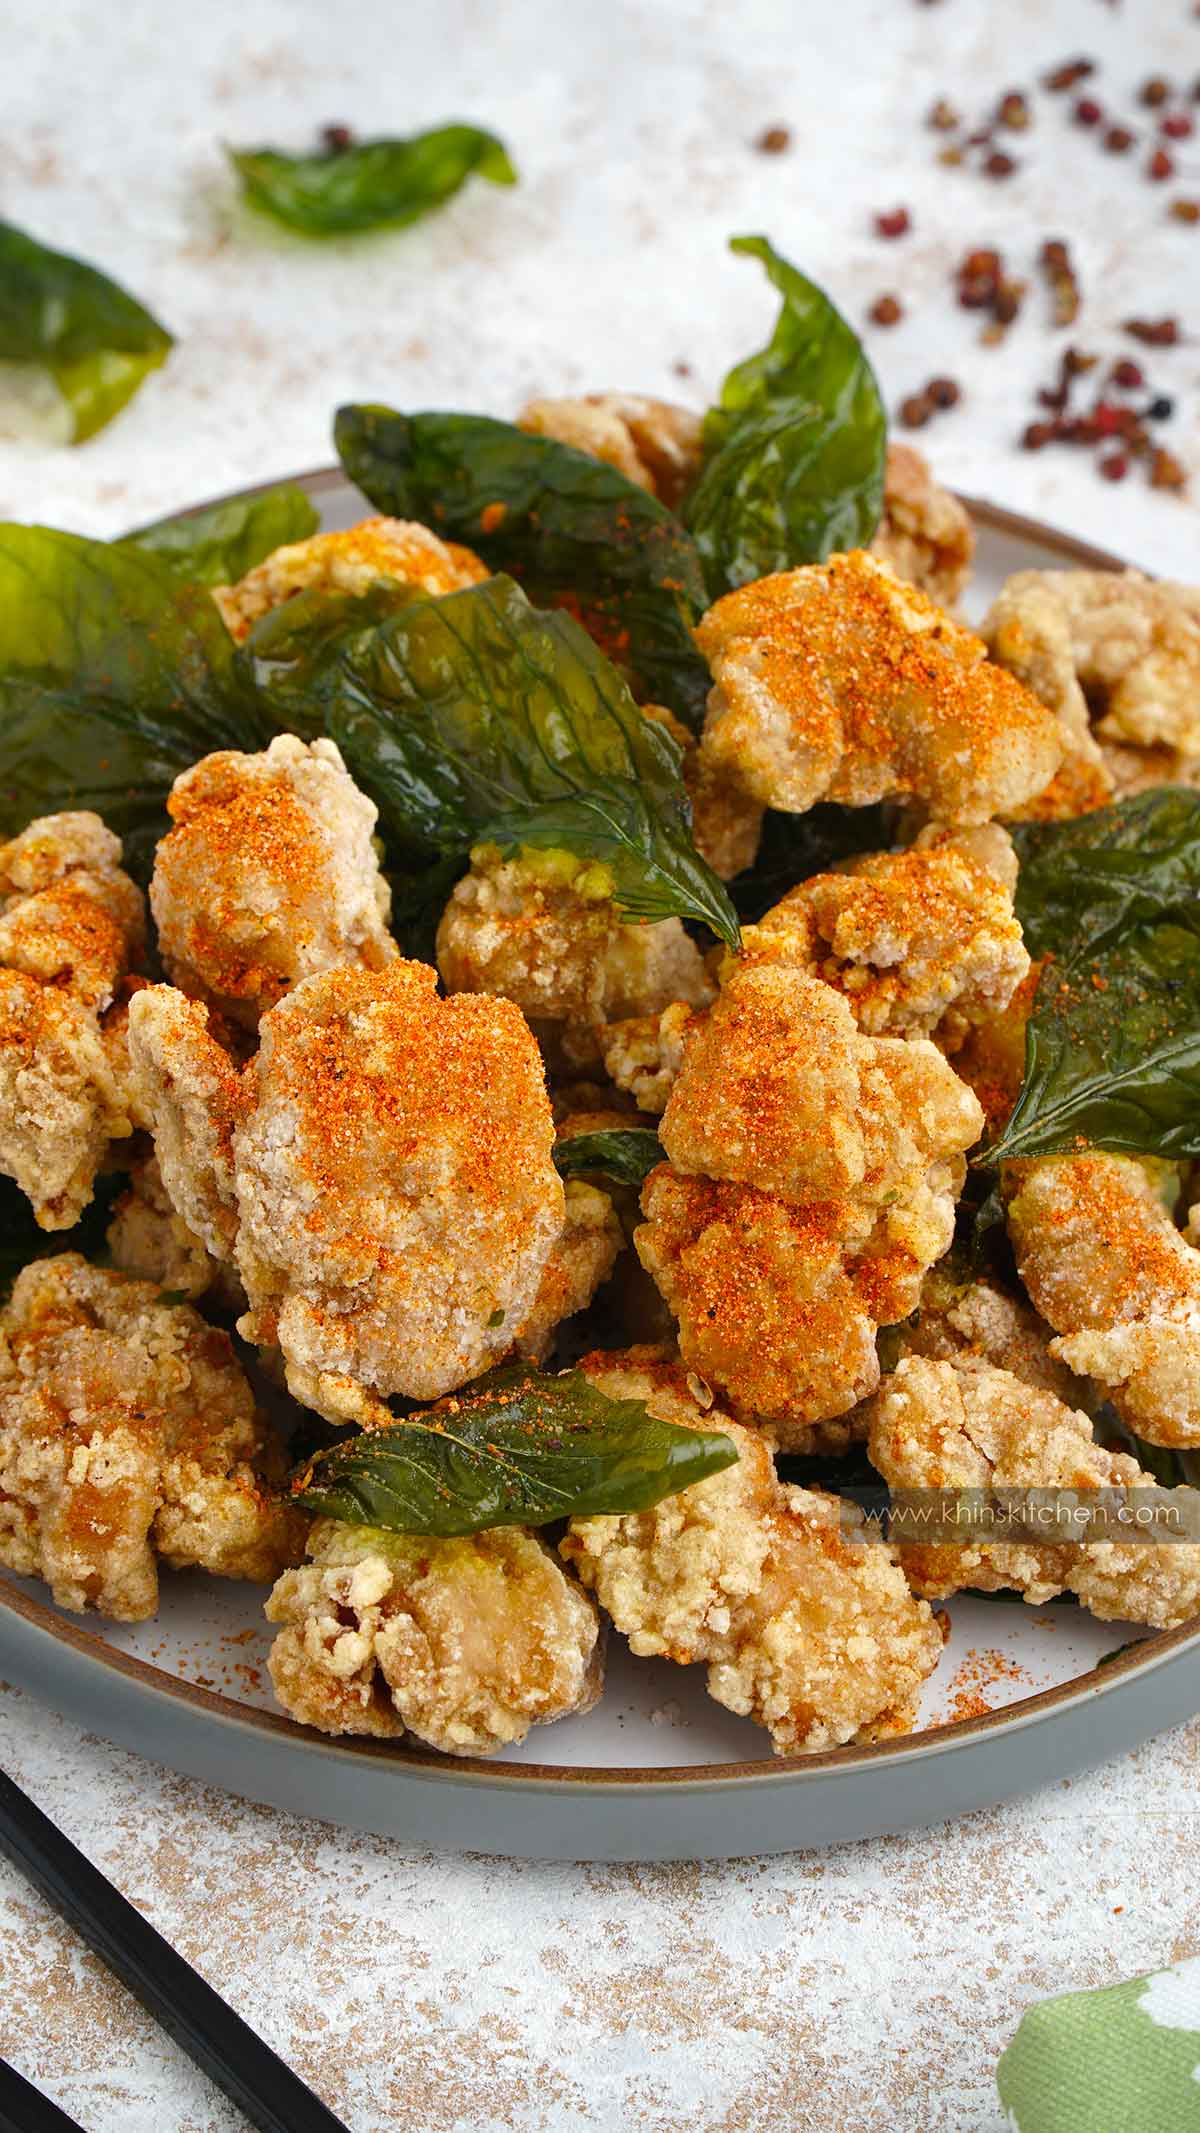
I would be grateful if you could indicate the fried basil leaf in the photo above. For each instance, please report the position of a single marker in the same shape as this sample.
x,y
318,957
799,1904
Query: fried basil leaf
x,y
372,185
794,449
476,718
1112,1054
218,545
626,1154
95,340
574,532
114,677
516,1449
795,847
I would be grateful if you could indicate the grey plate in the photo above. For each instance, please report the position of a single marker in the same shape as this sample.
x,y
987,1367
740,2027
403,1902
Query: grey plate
x,y
721,1797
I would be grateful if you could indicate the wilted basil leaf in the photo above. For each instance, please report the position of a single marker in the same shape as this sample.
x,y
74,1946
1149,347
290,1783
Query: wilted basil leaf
x,y
372,185
96,341
217,546
574,532
626,1154
795,448
114,677
475,717
795,847
517,1449
1112,1053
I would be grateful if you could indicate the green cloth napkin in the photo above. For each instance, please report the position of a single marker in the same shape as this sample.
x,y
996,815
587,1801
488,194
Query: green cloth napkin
x,y
1125,2059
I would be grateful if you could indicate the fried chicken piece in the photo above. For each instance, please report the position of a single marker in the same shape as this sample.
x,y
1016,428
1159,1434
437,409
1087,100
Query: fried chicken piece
x,y
652,442
643,1054
811,1180
71,928
991,1058
921,942
925,535
148,1239
978,1318
581,1259
542,930
807,1630
268,876
190,1091
129,1437
1116,657
1100,1255
965,1425
349,562
464,1643
838,682
726,822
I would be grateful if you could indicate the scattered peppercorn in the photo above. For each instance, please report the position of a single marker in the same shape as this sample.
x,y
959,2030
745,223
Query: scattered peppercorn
x,y
1153,332
1160,409
887,311
895,223
915,411
1114,466
1087,112
1154,92
1127,374
335,140
944,392
998,164
1118,140
1177,126
681,367
1013,111
1055,262
942,116
1038,434
1166,471
1070,72
1186,210
774,141
1160,166
951,156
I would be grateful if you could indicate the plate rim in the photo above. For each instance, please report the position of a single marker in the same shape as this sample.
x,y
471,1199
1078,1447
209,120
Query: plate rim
x,y
1143,1655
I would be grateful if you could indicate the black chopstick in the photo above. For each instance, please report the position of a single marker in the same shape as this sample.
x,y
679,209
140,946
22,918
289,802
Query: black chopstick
x,y
24,2109
226,2048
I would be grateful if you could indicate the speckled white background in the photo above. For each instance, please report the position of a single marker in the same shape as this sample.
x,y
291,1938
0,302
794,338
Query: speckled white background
x,y
867,1991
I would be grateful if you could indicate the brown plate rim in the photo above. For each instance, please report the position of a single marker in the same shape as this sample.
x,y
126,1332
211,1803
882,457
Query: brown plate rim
x,y
934,1740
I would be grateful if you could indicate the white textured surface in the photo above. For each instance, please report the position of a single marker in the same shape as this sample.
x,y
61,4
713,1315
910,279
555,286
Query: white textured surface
x,y
873,1988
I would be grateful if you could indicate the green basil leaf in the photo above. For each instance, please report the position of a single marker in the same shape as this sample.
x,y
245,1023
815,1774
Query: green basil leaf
x,y
795,847
114,677
795,447
96,341
626,1154
517,1449
476,718
218,545
574,532
373,185
1112,1055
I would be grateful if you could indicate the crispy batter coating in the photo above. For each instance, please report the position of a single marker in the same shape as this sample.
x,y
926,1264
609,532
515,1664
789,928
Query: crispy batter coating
x,y
838,682
396,1193
920,942
1116,657
190,1091
269,875
148,1239
464,1643
643,1054
726,822
71,928
925,535
966,1425
128,1436
651,442
351,562
542,930
1100,1255
991,1058
811,1180
582,1257
977,1317
810,1632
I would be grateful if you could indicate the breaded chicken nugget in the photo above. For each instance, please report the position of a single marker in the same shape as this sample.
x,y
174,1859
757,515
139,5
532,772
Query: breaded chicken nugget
x,y
128,1436
964,1425
652,442
542,930
268,876
190,1091
811,1632
349,562
925,534
838,682
1100,1255
71,928
920,942
464,1643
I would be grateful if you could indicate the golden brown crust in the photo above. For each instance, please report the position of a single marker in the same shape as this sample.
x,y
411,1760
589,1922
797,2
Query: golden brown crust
x,y
128,1436
463,1643
652,442
838,682
925,534
805,1628
350,561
